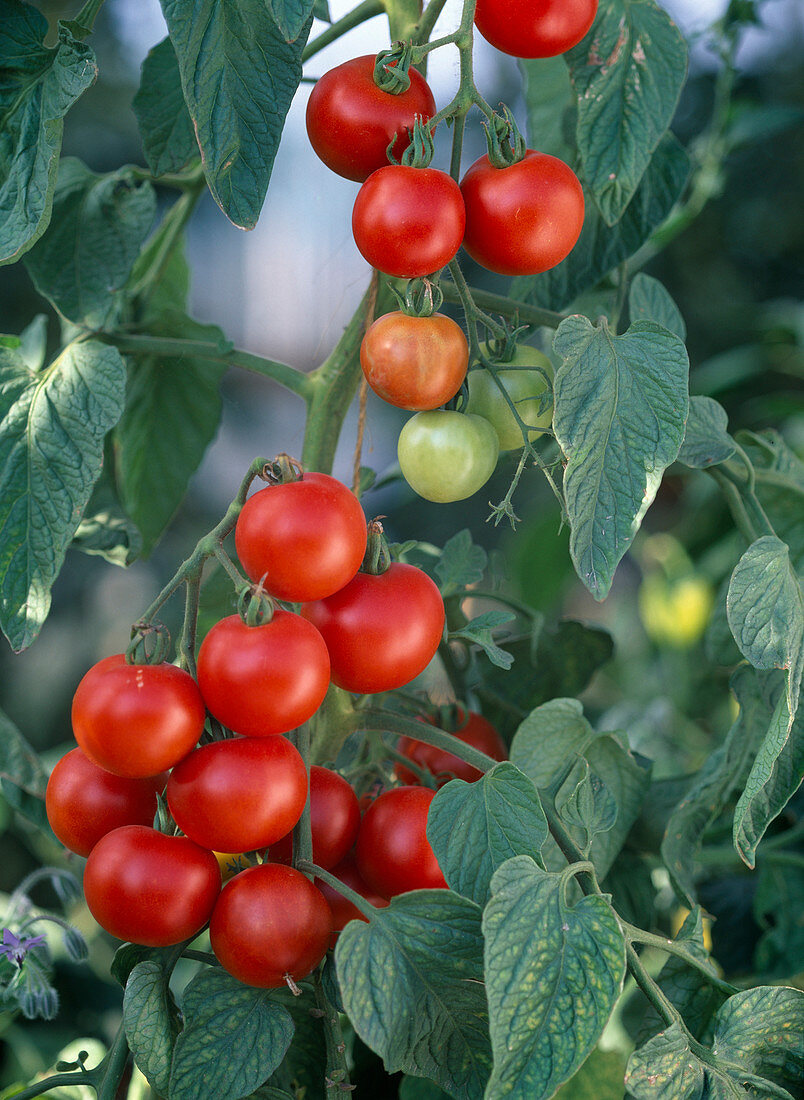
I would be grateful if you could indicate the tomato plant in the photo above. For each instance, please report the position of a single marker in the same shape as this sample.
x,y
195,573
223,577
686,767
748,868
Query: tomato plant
x,y
270,922
524,387
414,362
447,455
393,854
351,121
534,28
474,730
344,910
334,820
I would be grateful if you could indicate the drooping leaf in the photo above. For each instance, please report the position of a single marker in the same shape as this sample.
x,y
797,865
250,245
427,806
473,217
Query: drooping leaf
x,y
239,76
778,909
621,405
105,528
549,105
461,564
598,250
780,488
649,300
627,73
234,1037
168,138
151,1021
51,447
761,1029
412,982
38,88
22,777
291,16
706,439
99,223
553,974
497,817
480,631
765,607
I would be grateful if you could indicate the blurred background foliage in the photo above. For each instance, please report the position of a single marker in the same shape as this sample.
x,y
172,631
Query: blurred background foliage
x,y
737,274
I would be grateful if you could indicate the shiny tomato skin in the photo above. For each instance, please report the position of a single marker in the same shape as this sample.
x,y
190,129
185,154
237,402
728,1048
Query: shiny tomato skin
x,y
351,122
446,455
414,362
262,680
334,820
306,537
522,219
240,794
392,852
143,886
381,631
477,732
407,221
270,921
85,802
534,28
136,720
342,910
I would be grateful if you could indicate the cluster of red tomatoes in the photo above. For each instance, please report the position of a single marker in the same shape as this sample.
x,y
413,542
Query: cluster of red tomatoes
x,y
138,728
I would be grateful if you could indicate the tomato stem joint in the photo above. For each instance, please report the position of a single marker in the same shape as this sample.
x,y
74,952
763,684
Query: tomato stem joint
x,y
149,645
391,68
505,143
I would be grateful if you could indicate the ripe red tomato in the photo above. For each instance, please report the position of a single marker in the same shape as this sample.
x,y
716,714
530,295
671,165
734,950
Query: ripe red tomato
x,y
307,537
414,362
259,680
392,852
238,795
351,122
534,28
270,921
334,820
478,732
137,720
380,631
522,219
407,221
84,802
342,910
149,888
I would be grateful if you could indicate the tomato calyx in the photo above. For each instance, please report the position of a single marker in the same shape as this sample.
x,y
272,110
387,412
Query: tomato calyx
x,y
254,606
378,555
149,645
422,297
282,470
421,150
391,68
506,146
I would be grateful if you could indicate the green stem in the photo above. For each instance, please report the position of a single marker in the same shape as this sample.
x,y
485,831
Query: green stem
x,y
88,14
172,227
380,721
168,347
366,10
359,902
637,935
186,645
651,990
506,307
115,1065
337,1072
424,28
302,831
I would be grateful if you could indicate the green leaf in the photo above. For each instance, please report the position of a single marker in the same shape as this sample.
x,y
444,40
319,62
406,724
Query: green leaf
x,y
321,11
150,1019
99,223
39,86
549,105
648,300
761,1029
33,342
706,439
412,983
598,250
553,974
233,1039
665,1069
775,776
461,563
765,607
51,450
599,1078
627,73
621,404
130,954
552,735
168,138
779,487
105,528
239,76
291,16
419,1088
173,408
480,631
585,804
497,817
22,777
565,658
778,906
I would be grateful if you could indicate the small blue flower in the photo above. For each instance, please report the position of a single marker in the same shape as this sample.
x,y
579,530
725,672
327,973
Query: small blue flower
x,y
15,948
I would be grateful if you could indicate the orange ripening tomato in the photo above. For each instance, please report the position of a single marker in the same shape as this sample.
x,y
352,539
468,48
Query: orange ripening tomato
x,y
414,363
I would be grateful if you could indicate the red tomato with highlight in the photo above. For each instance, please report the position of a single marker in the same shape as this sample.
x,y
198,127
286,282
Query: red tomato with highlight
x,y
261,680
342,910
137,720
392,852
307,538
270,922
149,888
407,221
85,802
334,820
534,28
238,795
478,732
381,631
414,362
522,219
351,122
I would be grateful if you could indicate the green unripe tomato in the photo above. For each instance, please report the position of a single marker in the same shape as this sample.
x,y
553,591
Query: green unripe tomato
x,y
523,386
447,455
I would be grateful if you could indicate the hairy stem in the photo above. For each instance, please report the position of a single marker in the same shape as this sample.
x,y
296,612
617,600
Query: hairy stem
x,y
367,10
